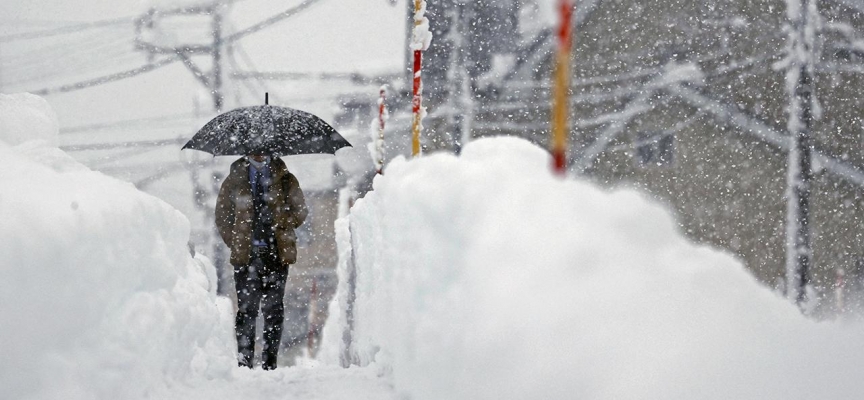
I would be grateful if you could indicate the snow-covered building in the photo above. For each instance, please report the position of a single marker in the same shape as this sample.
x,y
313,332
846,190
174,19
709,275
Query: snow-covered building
x,y
687,101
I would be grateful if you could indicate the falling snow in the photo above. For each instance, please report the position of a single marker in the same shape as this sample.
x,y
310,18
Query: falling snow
x,y
669,262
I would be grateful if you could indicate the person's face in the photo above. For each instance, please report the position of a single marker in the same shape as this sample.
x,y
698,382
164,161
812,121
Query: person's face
x,y
259,157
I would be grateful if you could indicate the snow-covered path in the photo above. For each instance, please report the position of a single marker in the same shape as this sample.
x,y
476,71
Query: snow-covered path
x,y
305,382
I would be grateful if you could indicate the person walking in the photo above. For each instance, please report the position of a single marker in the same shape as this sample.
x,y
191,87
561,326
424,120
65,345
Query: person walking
x,y
260,204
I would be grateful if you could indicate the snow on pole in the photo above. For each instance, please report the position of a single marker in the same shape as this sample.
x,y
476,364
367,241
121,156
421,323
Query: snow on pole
x,y
561,85
420,39
801,55
379,140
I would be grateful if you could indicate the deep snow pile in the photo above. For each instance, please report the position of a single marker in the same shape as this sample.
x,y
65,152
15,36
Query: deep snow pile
x,y
25,117
100,296
486,277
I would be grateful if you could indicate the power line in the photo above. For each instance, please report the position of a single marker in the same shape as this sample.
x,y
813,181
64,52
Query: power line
x,y
163,173
65,29
246,84
248,60
108,78
71,46
149,67
28,21
125,123
67,58
102,161
107,54
289,76
123,145
272,20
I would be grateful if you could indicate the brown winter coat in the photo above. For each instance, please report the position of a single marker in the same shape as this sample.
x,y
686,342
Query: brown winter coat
x,y
234,211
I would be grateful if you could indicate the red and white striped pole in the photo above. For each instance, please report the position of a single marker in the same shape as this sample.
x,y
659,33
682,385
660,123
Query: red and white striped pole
x,y
561,87
379,142
420,39
417,104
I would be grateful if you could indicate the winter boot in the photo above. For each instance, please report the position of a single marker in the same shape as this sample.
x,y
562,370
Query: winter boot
x,y
245,348
245,356
268,357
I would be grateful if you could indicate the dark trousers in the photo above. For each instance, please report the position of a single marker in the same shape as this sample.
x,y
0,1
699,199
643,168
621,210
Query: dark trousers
x,y
261,283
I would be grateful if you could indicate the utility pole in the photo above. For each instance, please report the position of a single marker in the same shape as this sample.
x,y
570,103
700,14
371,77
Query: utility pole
x,y
210,79
216,88
799,179
799,70
461,99
145,28
202,193
148,22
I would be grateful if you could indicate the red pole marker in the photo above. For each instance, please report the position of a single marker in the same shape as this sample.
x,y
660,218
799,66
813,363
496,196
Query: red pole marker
x,y
561,86
420,39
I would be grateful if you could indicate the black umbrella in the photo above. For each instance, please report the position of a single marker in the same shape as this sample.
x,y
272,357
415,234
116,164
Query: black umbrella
x,y
271,130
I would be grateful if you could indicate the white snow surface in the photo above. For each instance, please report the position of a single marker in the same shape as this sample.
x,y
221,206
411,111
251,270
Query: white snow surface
x,y
101,298
25,117
486,277
481,276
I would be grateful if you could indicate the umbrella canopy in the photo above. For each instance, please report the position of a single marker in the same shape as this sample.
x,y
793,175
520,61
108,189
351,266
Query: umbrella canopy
x,y
271,130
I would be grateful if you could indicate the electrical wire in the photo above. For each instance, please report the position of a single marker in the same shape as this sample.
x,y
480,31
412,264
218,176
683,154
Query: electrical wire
x,y
86,52
305,4
254,93
108,78
49,53
146,122
100,55
65,29
122,145
246,86
238,47
48,22
80,73
147,67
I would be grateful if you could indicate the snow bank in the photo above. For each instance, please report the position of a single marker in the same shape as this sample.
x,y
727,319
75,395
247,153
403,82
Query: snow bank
x,y
484,277
100,295
25,117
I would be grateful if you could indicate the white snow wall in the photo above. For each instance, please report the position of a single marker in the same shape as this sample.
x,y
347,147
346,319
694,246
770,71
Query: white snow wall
x,y
485,277
99,296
